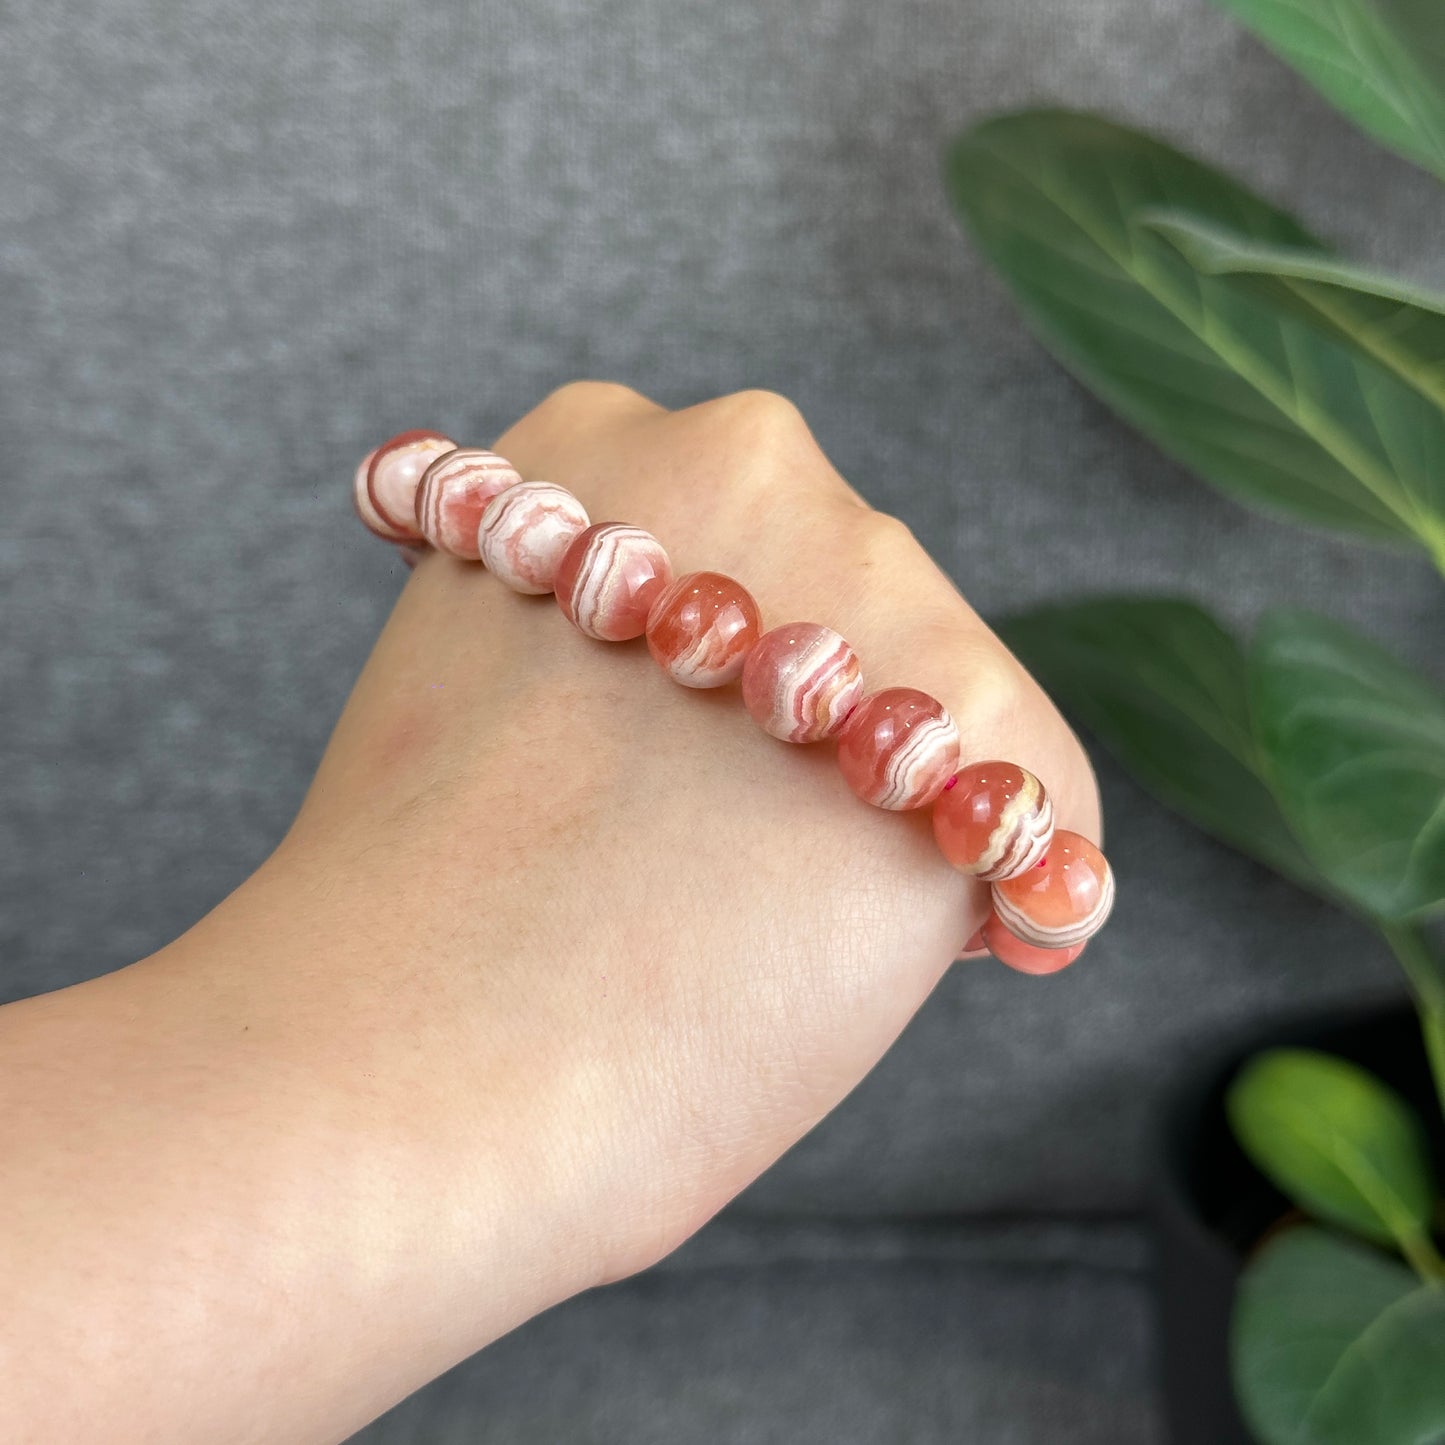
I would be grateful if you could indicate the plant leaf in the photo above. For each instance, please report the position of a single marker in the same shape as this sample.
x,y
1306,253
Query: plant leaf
x,y
1337,1141
1389,1387
1399,325
1164,688
1353,745
1303,1301
1259,401
1382,62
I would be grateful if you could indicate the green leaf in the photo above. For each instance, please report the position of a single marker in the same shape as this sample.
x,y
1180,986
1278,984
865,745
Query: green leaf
x,y
1339,1143
1399,325
1389,1388
1304,1300
1395,330
1164,688
1354,748
1261,402
1382,62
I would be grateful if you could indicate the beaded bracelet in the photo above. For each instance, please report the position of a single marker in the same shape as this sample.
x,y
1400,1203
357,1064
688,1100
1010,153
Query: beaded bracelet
x,y
897,749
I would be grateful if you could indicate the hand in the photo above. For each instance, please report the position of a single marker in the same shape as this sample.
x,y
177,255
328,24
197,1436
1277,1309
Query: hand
x,y
556,957
693,936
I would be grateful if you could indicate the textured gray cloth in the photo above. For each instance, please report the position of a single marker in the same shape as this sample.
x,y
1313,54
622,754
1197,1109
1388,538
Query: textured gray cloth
x,y
241,243
812,1335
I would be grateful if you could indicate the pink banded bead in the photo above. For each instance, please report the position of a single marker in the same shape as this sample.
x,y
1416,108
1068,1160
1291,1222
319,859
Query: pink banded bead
x,y
801,681
362,502
701,628
1061,901
524,532
1025,957
609,578
994,822
454,492
384,488
899,748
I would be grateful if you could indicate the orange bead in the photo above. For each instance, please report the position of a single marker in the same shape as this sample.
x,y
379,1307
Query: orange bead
x,y
1062,900
701,629
994,821
898,749
1024,956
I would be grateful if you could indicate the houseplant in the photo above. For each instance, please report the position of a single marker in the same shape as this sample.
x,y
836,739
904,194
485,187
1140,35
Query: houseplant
x,y
1297,382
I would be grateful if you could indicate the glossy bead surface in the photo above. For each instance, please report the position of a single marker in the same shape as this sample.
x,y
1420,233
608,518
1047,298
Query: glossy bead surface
x,y
1061,901
453,493
1024,956
361,500
524,532
609,578
386,483
994,822
899,748
701,628
801,681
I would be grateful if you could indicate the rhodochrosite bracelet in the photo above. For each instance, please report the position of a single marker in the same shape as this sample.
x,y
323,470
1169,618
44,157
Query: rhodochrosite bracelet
x,y
897,748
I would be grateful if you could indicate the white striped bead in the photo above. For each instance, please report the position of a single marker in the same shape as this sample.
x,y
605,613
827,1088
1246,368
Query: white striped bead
x,y
454,492
524,532
386,483
994,821
801,681
609,578
899,748
1061,901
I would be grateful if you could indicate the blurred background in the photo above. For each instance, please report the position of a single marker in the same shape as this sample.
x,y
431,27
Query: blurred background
x,y
241,244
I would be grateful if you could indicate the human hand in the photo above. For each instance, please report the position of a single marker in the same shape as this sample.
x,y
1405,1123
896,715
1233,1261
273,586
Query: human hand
x,y
555,958
674,942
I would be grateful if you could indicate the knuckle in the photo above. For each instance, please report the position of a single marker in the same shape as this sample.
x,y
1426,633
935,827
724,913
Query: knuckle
x,y
989,693
889,540
593,397
760,415
763,445
996,693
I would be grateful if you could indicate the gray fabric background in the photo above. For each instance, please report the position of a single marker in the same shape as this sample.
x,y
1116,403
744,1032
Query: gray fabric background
x,y
240,244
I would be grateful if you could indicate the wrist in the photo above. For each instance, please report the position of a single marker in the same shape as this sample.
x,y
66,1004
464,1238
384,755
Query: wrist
x,y
383,1178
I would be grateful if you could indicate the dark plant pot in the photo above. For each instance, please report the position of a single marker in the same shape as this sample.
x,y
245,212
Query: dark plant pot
x,y
1210,1205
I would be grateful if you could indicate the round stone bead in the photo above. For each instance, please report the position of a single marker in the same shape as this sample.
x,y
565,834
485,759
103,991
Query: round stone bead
x,y
454,492
384,488
1062,900
899,748
609,578
801,681
701,628
1024,956
524,532
362,502
994,822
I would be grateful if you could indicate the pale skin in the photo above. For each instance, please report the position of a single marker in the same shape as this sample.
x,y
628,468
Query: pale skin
x,y
556,958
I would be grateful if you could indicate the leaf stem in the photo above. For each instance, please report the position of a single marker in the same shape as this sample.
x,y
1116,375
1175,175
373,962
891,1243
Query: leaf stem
x,y
1422,1256
1426,973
